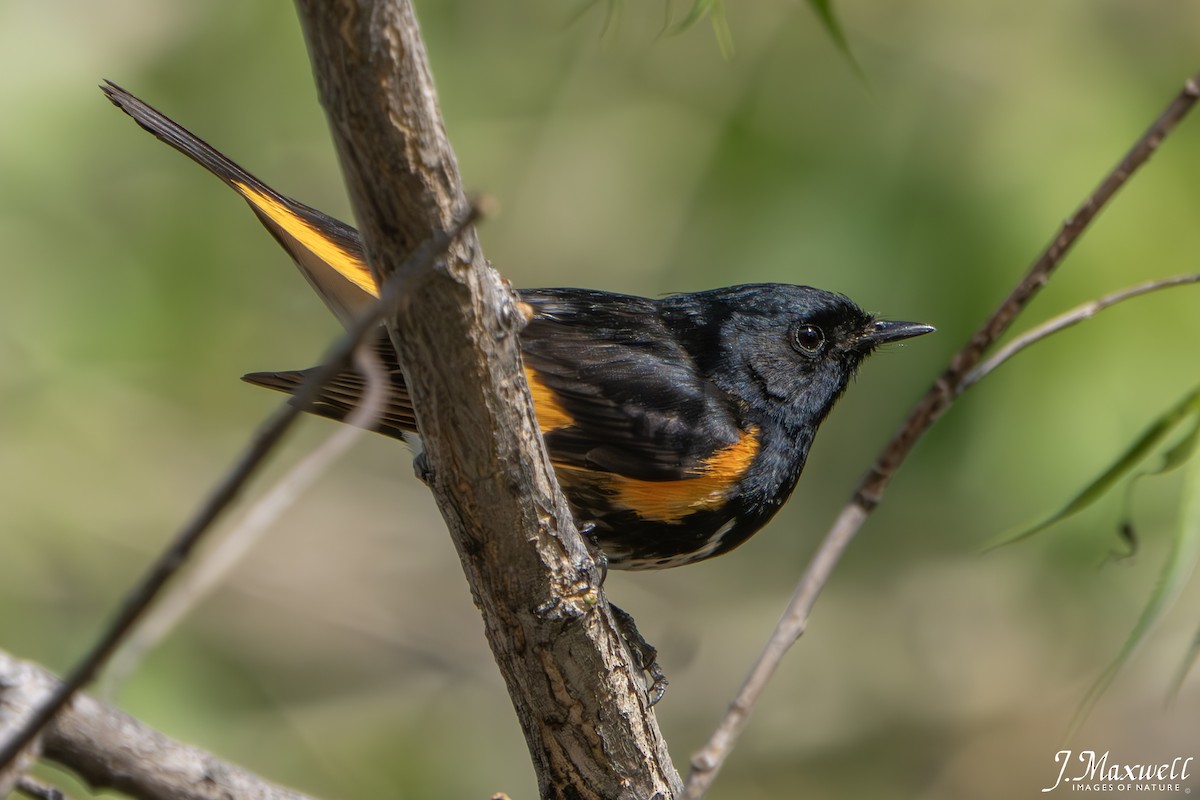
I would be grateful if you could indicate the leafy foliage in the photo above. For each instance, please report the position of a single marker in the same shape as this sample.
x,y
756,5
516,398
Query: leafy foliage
x,y
714,10
1187,410
1181,561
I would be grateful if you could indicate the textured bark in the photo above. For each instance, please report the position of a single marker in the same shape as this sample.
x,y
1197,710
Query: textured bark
x,y
579,701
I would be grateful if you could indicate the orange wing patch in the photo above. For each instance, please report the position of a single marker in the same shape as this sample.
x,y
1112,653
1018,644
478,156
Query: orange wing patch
x,y
550,412
671,501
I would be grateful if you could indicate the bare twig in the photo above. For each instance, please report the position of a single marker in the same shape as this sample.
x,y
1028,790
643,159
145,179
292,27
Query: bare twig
x,y
952,382
36,790
176,554
110,749
27,756
1074,316
208,571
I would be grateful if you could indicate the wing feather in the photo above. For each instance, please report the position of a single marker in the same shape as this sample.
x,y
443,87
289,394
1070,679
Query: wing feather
x,y
614,391
638,405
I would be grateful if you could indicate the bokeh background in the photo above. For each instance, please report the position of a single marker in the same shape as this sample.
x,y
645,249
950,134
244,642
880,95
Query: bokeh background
x,y
344,655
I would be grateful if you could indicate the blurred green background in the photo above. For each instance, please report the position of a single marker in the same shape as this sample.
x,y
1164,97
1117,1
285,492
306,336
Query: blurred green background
x,y
344,656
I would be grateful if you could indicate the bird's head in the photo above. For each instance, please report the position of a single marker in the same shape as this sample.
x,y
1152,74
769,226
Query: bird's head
x,y
788,351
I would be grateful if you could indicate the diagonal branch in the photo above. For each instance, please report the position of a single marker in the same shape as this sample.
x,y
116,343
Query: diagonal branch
x,y
537,588
939,397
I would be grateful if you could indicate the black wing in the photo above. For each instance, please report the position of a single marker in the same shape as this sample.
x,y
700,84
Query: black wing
x,y
635,401
614,390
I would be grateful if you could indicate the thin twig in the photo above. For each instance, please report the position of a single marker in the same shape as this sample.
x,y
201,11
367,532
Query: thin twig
x,y
10,776
707,762
35,789
215,564
1074,316
268,437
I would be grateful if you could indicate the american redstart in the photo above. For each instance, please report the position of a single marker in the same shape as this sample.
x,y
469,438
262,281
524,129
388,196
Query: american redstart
x,y
677,426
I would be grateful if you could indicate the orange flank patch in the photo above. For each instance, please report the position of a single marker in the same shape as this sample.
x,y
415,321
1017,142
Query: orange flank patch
x,y
346,264
671,501
550,412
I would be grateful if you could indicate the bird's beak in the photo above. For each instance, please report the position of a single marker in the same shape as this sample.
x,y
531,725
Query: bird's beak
x,y
884,331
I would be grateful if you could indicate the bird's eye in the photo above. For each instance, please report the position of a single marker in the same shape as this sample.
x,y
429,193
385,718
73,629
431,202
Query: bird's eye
x,y
808,339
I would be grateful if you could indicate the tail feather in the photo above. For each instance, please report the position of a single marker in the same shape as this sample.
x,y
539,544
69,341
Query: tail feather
x,y
328,252
171,132
341,395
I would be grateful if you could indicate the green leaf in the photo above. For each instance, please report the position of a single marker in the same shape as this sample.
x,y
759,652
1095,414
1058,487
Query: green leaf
x,y
699,9
1189,661
611,17
1149,441
715,11
1181,561
1175,457
1183,450
611,10
721,28
1175,573
825,13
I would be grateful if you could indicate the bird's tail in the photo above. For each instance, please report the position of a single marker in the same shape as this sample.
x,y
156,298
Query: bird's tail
x,y
341,395
328,252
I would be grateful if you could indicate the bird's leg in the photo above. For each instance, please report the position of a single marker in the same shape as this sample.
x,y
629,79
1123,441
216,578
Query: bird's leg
x,y
643,653
423,469
588,531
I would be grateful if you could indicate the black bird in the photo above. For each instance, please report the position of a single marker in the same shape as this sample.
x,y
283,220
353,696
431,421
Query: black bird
x,y
677,426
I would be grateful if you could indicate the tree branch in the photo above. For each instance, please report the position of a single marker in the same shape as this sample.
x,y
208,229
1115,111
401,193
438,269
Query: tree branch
x,y
109,749
580,702
36,790
952,382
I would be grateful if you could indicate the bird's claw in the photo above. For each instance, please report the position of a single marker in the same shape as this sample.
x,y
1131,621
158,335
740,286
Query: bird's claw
x,y
645,655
